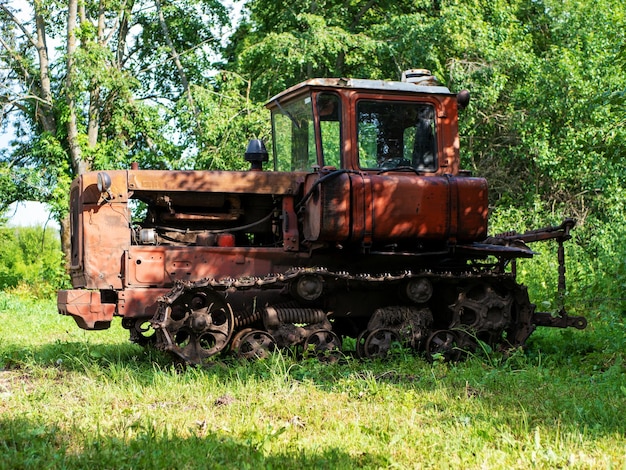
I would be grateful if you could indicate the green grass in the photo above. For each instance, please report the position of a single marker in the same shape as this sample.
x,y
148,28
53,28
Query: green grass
x,y
72,399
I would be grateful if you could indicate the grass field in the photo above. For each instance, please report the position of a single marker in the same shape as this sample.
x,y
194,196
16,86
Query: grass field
x,y
76,399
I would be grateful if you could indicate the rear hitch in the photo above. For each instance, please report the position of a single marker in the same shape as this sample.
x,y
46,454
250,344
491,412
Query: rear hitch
x,y
560,233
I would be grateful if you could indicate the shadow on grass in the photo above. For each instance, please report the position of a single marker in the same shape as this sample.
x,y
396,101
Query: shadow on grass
x,y
579,388
30,444
78,355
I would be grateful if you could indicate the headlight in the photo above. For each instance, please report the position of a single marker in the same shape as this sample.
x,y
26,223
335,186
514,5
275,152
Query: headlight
x,y
104,182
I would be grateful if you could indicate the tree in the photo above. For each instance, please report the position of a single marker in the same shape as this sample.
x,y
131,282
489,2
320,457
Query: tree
x,y
546,77
105,96
282,43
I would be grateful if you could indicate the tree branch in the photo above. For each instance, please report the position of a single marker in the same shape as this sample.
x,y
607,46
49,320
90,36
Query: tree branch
x,y
361,13
19,24
16,57
179,67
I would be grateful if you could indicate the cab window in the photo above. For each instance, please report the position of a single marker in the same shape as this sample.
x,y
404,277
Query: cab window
x,y
294,137
396,134
329,111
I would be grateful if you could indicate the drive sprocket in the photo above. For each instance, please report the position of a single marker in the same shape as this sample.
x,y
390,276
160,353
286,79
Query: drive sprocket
x,y
193,323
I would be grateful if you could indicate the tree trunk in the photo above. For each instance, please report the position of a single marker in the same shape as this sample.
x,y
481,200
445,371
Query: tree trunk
x,y
93,124
45,116
78,164
66,240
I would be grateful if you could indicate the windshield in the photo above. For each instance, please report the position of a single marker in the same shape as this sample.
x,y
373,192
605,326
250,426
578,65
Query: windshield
x,y
396,134
294,138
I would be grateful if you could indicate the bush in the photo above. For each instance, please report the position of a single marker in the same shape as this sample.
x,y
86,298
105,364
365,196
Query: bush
x,y
31,260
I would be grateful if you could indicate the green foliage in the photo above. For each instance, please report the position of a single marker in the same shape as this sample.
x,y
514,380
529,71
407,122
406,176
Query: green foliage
x,y
312,48
284,43
124,91
195,28
546,80
228,119
31,261
43,172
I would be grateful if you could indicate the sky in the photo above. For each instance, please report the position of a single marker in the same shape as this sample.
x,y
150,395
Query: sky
x,y
29,214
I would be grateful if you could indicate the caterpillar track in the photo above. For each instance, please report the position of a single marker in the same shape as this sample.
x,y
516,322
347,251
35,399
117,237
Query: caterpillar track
x,y
434,313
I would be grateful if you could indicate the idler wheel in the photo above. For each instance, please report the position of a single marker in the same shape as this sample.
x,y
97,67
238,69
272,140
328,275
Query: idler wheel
x,y
322,342
236,340
378,343
253,344
443,343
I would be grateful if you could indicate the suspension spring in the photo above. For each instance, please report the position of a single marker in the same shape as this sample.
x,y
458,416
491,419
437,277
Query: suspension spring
x,y
274,316
245,318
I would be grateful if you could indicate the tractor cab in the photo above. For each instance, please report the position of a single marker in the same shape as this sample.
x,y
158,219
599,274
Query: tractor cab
x,y
366,125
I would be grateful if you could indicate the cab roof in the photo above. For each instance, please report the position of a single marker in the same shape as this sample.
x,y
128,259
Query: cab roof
x,y
360,84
